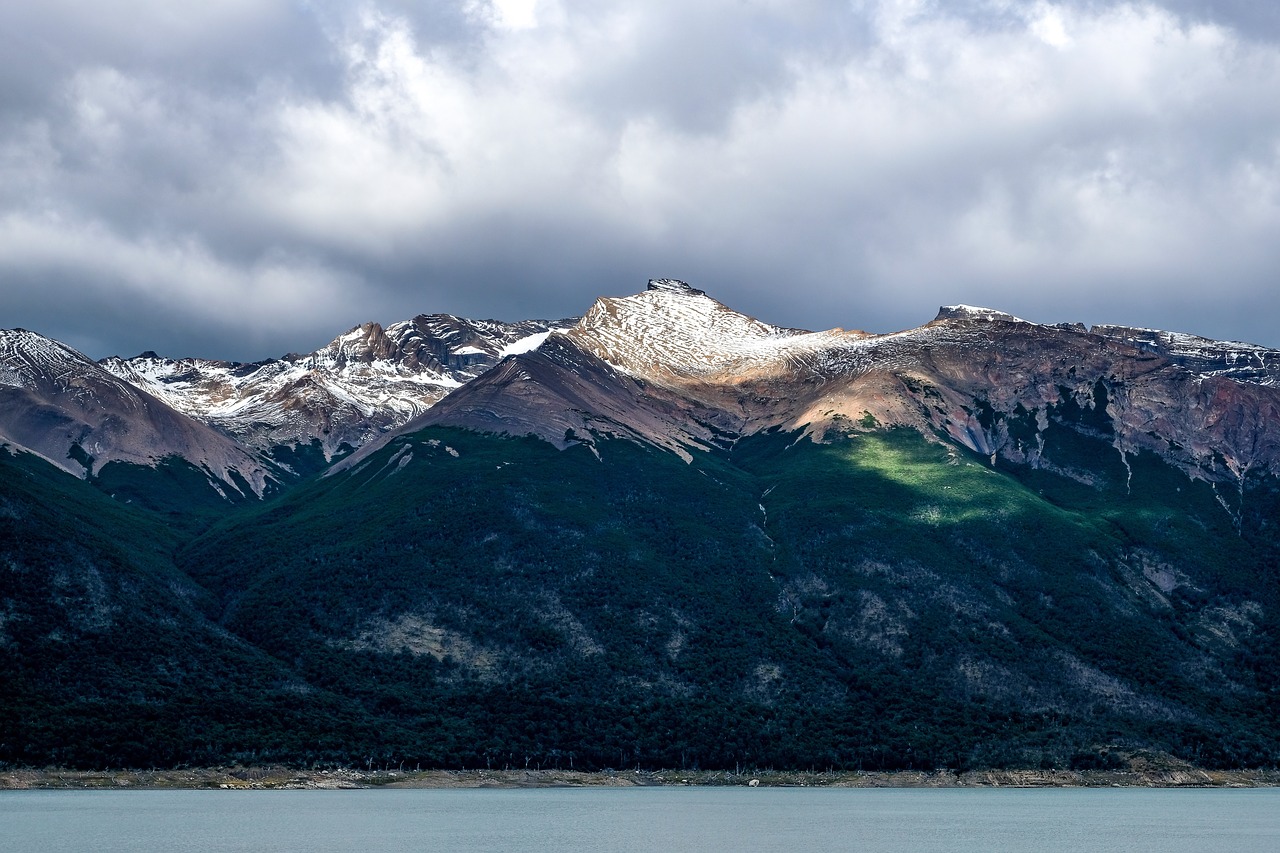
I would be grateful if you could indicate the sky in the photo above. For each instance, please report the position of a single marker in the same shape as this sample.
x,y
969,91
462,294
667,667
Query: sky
x,y
247,178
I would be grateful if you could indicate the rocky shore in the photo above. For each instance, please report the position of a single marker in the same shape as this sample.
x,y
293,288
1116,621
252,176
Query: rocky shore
x,y
263,778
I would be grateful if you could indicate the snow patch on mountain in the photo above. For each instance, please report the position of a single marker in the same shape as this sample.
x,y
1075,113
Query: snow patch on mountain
x,y
974,313
672,331
367,381
1237,360
530,343
28,354
29,359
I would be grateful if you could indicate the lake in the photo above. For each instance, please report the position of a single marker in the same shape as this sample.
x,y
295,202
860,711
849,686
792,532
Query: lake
x,y
643,819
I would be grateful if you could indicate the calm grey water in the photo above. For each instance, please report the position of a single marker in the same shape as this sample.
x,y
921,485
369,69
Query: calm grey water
x,y
667,819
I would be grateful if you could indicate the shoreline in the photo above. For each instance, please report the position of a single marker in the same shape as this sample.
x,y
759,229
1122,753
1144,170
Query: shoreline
x,y
284,778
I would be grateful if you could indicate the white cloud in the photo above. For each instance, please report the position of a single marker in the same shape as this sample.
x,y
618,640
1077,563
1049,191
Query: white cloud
x,y
1045,157
507,14
1049,25
179,277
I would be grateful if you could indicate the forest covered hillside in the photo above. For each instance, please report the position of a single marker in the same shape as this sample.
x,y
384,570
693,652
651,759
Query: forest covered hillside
x,y
674,536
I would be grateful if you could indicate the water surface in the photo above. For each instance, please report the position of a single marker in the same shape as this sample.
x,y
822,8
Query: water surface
x,y
644,819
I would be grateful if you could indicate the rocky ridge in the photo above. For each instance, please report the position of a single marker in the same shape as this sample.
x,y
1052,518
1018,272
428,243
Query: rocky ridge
x,y
366,381
59,404
672,367
1205,357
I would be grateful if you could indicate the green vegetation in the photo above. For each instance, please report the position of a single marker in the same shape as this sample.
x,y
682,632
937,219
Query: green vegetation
x,y
174,489
108,658
463,600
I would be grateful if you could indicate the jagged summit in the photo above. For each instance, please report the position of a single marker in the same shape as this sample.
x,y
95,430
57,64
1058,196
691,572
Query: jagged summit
x,y
366,381
674,285
672,331
972,312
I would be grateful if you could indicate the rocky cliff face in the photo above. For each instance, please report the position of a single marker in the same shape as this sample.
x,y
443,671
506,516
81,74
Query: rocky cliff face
x,y
363,383
672,367
1202,356
997,385
59,404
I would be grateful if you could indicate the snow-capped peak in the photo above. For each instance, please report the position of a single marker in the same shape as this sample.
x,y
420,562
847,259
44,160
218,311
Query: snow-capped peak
x,y
364,382
674,330
972,312
22,352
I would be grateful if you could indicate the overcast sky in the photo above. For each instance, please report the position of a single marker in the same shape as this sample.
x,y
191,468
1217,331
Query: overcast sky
x,y
244,178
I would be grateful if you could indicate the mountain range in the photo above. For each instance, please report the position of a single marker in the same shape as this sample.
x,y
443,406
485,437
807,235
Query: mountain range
x,y
663,534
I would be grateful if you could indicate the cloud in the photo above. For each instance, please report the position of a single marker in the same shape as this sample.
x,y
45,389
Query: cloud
x,y
815,163
1260,21
144,291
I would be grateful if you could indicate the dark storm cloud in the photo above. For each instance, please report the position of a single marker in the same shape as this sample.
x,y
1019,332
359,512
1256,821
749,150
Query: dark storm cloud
x,y
255,178
1251,19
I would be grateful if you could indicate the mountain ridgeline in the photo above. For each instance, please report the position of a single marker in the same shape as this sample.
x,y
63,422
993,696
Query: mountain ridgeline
x,y
663,535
